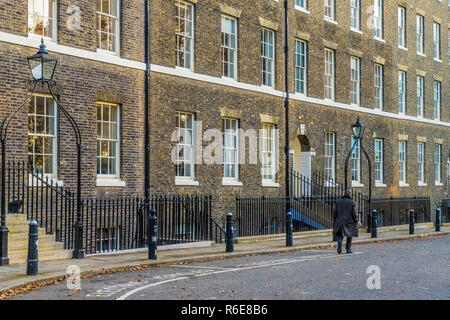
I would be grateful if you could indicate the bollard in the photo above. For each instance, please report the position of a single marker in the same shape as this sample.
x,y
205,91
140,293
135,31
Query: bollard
x,y
33,257
369,222
411,221
152,234
289,228
229,233
374,223
438,219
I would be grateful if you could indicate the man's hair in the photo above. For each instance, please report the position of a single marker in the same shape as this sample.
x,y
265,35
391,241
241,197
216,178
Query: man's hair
x,y
348,194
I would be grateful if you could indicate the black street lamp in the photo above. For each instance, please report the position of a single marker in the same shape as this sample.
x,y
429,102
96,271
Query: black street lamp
x,y
358,132
42,66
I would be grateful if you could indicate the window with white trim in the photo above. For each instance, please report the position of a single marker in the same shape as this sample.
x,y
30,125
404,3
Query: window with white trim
x,y
421,162
268,57
437,100
301,3
436,41
401,92
108,25
420,93
378,83
401,27
329,9
329,74
107,239
268,152
184,159
355,80
230,129
108,141
42,18
448,43
42,132
300,66
420,27
379,161
356,161
229,47
402,161
184,34
355,12
330,155
437,164
378,18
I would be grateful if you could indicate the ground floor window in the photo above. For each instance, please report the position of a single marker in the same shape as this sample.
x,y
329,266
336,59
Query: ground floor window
x,y
230,148
268,152
107,239
107,139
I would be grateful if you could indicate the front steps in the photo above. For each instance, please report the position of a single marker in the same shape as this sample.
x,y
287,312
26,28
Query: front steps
x,y
48,248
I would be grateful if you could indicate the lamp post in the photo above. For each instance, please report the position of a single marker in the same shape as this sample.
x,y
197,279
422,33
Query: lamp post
x,y
286,104
358,132
42,66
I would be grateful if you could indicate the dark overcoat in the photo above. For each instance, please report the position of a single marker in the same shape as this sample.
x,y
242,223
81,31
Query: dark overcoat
x,y
345,218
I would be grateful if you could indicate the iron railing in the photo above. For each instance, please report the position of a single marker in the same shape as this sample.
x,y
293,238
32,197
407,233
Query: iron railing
x,y
395,211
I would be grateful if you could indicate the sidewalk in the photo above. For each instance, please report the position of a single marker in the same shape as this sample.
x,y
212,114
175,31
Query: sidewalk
x,y
14,276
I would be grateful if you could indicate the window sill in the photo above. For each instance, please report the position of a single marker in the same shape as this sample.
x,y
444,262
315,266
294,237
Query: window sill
x,y
228,79
380,185
403,185
356,30
438,184
403,48
422,184
379,39
302,9
268,88
109,182
35,182
421,54
235,183
180,181
437,60
270,184
357,184
330,20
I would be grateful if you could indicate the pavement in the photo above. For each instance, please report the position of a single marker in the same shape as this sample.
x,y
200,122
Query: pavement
x,y
13,277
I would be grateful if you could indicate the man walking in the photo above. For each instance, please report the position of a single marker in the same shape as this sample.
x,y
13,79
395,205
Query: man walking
x,y
345,221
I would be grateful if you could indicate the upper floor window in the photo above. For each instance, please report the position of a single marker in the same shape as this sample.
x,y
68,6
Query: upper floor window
x,y
437,164
437,100
301,4
355,11
329,74
356,161
329,9
268,57
378,19
402,161
108,25
419,34
229,47
421,162
378,82
268,152
42,18
379,159
436,41
300,66
184,32
184,150
420,91
401,92
401,27
42,135
108,148
355,71
330,155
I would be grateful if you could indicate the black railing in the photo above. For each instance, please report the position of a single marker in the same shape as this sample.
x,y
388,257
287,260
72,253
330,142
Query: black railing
x,y
445,211
395,211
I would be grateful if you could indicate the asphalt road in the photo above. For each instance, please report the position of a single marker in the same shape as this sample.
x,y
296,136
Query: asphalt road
x,y
418,269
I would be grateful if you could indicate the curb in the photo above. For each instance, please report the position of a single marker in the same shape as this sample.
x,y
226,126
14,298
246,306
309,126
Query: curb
x,y
129,266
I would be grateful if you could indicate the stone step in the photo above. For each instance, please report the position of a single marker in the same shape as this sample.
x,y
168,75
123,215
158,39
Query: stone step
x,y
25,230
15,217
42,247
19,236
24,241
43,256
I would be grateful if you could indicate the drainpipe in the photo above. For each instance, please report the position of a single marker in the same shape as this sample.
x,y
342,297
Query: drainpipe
x,y
286,101
147,100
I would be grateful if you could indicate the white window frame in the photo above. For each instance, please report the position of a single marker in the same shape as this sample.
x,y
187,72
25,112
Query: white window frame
x,y
54,18
420,28
355,15
229,48
301,4
330,155
401,27
109,139
437,164
355,81
436,41
402,92
421,163
115,32
266,141
54,120
185,132
437,100
301,66
378,19
402,151
378,84
329,7
186,50
230,132
379,161
268,58
356,161
420,95
329,74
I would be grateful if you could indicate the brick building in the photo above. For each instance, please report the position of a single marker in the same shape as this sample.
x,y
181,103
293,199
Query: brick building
x,y
221,63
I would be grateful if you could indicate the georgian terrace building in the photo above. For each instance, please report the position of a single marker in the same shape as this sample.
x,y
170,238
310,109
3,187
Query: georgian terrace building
x,y
221,63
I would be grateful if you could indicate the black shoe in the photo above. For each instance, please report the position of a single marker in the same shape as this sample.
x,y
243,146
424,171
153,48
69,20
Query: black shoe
x,y
339,248
349,251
